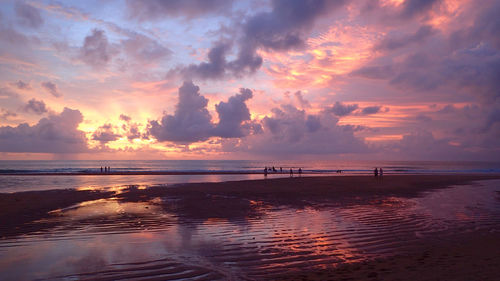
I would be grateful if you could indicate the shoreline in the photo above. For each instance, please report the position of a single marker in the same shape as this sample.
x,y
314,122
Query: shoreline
x,y
282,219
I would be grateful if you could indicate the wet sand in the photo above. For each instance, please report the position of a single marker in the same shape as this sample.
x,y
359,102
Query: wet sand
x,y
366,228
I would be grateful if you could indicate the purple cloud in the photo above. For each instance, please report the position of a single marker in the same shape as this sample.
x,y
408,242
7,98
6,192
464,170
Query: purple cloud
x,y
232,114
105,134
54,134
22,85
36,106
96,50
340,109
28,15
51,88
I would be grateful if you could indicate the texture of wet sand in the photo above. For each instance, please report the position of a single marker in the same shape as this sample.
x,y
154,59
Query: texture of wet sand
x,y
289,255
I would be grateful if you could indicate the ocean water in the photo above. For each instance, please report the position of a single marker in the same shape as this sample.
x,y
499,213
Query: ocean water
x,y
22,182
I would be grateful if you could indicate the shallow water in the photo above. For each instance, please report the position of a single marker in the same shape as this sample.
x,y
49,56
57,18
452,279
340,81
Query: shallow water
x,y
112,239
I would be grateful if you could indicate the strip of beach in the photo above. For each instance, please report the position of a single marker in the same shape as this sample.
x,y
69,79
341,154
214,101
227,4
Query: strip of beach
x,y
465,256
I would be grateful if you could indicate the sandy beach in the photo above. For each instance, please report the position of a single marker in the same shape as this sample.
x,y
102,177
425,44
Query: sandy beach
x,y
302,228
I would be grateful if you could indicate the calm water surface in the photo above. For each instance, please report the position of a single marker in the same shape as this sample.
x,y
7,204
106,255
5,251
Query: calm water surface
x,y
110,239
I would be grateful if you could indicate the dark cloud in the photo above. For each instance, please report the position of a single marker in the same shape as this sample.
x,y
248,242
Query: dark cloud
x,y
105,134
54,134
125,118
28,15
22,85
340,109
283,28
370,110
374,72
158,9
412,8
51,88
36,106
290,131
96,50
214,68
395,42
191,121
232,114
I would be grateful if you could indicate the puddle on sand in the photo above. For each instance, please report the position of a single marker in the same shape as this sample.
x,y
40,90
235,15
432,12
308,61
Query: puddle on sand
x,y
113,239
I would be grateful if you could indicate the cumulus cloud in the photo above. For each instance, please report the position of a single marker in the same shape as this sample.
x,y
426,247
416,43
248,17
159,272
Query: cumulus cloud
x,y
125,118
96,50
28,15
54,134
192,122
36,106
105,134
291,131
232,114
158,9
51,88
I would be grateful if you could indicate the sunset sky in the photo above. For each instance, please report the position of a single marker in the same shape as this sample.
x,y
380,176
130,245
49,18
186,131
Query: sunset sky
x,y
216,79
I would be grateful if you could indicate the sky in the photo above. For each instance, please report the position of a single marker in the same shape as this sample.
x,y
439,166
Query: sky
x,y
221,79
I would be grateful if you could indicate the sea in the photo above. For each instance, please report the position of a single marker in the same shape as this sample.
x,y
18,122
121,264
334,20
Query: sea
x,y
20,175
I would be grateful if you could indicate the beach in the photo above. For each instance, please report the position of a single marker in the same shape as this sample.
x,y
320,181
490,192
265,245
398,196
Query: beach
x,y
395,227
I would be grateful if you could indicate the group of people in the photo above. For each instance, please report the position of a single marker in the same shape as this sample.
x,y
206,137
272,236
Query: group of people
x,y
378,172
272,169
106,169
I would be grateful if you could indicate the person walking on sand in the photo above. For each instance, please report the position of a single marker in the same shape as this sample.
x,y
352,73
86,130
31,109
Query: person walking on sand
x,y
291,172
375,172
381,171
300,172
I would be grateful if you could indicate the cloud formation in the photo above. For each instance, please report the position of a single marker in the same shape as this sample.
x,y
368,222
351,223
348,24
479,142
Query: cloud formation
x,y
51,88
192,122
28,15
36,106
96,51
105,134
54,134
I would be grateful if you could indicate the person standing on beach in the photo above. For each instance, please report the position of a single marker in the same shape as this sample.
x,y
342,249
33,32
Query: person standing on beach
x,y
381,172
101,169
281,170
375,172
265,171
291,172
300,172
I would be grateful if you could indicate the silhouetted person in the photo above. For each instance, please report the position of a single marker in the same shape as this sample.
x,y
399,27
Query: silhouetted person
x,y
281,170
109,169
265,172
381,172
101,169
274,170
291,172
375,172
300,172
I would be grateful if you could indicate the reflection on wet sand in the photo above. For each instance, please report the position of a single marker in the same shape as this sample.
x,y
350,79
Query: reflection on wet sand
x,y
139,233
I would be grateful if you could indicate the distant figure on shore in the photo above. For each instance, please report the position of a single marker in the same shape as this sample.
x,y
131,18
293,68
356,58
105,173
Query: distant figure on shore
x,y
339,171
109,169
101,169
381,172
281,170
274,170
375,172
300,172
105,169
291,172
265,171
